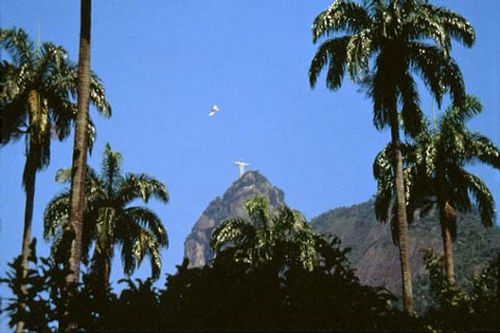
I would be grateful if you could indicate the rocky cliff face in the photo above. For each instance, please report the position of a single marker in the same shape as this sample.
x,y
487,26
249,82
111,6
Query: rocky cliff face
x,y
252,183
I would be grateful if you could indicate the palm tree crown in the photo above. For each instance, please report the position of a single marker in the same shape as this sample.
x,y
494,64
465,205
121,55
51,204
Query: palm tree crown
x,y
283,236
39,87
403,37
108,218
436,175
450,149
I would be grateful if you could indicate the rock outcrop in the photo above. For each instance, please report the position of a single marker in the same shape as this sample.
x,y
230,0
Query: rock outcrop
x,y
250,184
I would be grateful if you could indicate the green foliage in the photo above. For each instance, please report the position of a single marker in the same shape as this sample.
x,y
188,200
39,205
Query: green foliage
x,y
236,296
435,174
401,37
47,301
463,309
283,236
137,308
37,99
381,45
109,220
435,171
227,296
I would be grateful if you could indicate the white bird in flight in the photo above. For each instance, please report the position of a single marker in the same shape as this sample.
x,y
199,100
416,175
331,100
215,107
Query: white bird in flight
x,y
215,109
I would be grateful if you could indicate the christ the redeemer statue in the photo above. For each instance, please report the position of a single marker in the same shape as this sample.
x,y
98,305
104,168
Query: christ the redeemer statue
x,y
241,167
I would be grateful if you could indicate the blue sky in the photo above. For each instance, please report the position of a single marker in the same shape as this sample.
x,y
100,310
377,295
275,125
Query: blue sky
x,y
165,63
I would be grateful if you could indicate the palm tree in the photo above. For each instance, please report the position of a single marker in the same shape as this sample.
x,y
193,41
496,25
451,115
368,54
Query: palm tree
x,y
436,176
283,236
384,44
108,219
36,102
74,229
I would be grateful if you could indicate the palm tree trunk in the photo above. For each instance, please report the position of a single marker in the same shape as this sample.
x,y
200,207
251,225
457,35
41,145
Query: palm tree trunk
x,y
106,272
29,184
79,168
102,270
403,240
498,280
498,287
448,216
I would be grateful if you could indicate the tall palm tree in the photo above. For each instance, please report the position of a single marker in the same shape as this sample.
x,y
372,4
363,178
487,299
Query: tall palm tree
x,y
37,91
283,236
384,43
436,175
108,218
74,229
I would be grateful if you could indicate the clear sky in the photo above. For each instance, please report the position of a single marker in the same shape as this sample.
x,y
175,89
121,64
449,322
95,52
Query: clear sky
x,y
165,63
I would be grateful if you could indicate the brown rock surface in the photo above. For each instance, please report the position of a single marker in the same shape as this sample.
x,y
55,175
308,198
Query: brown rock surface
x,y
251,183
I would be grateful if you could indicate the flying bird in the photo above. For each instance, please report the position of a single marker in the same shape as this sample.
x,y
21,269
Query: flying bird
x,y
215,109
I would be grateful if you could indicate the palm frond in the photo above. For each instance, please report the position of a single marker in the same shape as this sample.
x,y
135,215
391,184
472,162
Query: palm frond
x,y
411,113
135,186
63,175
478,146
453,80
457,116
155,261
111,168
452,178
382,90
68,79
258,210
128,256
98,96
148,220
426,60
359,50
332,52
454,24
382,164
483,198
382,171
56,214
345,16
232,230
143,244
19,46
422,25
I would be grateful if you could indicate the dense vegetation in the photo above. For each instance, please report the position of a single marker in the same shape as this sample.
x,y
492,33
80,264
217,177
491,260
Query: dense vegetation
x,y
271,270
275,290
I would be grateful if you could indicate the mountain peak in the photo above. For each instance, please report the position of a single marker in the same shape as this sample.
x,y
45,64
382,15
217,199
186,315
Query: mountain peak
x,y
250,184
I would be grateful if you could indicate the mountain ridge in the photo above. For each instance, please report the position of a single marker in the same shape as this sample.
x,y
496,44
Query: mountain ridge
x,y
373,255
